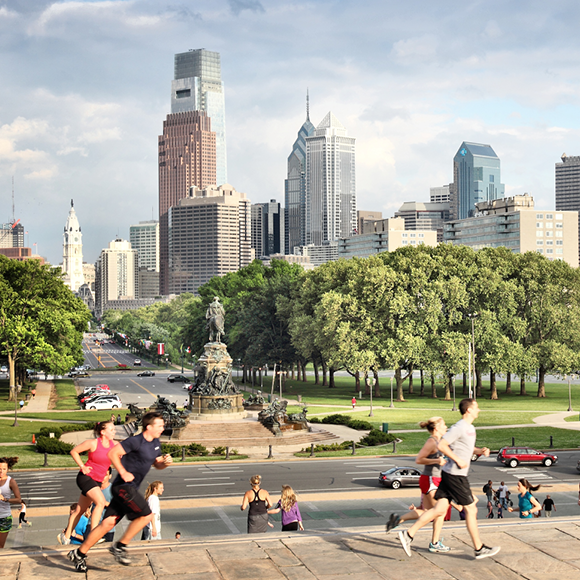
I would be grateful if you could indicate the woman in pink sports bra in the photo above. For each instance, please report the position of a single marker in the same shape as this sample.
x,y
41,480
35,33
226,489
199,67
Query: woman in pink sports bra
x,y
90,477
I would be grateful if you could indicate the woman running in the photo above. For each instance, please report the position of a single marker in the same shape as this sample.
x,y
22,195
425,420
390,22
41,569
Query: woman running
x,y
291,518
528,505
259,501
90,477
9,493
432,459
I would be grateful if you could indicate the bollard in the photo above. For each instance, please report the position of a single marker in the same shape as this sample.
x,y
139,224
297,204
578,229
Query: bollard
x,y
353,448
183,454
45,460
395,446
270,456
551,442
312,450
513,441
227,452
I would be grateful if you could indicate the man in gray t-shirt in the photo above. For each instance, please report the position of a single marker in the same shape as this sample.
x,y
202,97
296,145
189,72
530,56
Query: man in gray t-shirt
x,y
458,444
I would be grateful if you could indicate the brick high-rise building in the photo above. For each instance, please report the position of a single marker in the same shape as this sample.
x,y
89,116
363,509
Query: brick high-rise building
x,y
187,157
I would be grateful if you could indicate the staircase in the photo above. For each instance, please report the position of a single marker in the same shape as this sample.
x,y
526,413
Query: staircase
x,y
246,434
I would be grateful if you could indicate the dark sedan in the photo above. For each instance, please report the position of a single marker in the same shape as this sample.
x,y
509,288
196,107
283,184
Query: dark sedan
x,y
399,476
146,374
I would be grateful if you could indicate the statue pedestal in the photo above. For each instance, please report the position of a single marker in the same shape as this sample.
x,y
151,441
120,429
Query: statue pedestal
x,y
215,354
217,407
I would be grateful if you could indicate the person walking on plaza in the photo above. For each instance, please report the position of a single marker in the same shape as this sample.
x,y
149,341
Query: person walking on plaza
x,y
22,515
489,491
132,458
288,505
503,491
353,402
429,481
528,505
152,531
9,493
548,506
259,501
458,444
90,477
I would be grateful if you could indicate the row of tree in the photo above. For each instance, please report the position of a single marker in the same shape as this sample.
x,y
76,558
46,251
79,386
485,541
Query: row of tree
x,y
41,320
408,310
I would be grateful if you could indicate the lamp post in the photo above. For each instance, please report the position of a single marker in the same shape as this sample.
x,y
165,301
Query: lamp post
x,y
391,406
473,316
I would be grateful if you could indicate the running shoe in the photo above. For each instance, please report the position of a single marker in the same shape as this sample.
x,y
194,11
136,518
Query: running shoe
x,y
438,547
79,561
63,540
120,554
394,521
486,552
405,540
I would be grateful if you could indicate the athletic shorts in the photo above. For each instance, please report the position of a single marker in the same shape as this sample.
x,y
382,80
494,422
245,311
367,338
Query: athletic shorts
x,y
127,501
5,524
86,483
427,483
456,488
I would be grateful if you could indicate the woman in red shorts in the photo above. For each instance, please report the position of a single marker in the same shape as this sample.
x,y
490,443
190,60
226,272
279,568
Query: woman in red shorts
x,y
432,459
90,477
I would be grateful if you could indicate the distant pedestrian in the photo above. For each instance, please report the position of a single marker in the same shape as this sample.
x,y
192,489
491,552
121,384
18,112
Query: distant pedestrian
x,y
291,518
353,402
119,421
9,493
503,491
499,512
22,516
259,501
33,393
113,419
152,531
21,404
488,490
490,514
178,535
528,505
548,506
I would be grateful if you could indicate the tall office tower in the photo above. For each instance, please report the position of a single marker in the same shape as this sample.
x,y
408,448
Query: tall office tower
x,y
187,157
439,194
209,235
116,275
267,228
144,238
295,189
198,86
330,183
72,251
568,186
476,178
11,235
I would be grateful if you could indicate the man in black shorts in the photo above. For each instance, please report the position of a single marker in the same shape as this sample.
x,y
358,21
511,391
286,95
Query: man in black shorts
x,y
132,459
458,444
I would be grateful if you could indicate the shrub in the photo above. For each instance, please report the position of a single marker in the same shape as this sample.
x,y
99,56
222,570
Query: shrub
x,y
170,449
197,449
219,451
314,420
376,437
337,419
52,445
360,425
330,447
58,430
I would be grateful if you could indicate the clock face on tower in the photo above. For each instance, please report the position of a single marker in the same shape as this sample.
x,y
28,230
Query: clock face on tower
x,y
76,239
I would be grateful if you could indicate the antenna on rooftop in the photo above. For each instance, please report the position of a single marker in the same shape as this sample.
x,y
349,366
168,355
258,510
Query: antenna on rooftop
x,y
307,105
13,214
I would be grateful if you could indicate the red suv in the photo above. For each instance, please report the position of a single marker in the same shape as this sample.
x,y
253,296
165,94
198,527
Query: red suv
x,y
513,456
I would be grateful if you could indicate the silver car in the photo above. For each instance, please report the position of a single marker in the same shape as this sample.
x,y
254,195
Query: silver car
x,y
399,476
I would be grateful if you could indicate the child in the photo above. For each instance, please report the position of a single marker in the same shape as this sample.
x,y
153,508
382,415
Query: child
x,y
22,515
82,528
291,518
152,531
528,505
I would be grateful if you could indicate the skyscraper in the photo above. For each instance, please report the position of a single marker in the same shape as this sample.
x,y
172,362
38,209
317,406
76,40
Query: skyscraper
x,y
568,186
144,238
295,189
476,178
330,211
198,86
187,157
72,251
267,228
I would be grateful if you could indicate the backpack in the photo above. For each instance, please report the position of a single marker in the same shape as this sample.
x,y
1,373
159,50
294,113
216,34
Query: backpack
x,y
486,488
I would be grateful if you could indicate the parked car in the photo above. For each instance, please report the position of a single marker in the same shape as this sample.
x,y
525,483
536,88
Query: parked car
x,y
83,399
3,369
513,456
187,386
146,374
137,362
102,386
178,378
79,374
399,476
112,402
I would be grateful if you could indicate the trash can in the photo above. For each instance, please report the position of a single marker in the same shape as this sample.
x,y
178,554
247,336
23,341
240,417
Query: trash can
x,y
269,398
300,398
385,427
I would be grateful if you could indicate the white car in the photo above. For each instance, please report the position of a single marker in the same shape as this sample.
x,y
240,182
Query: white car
x,y
3,369
187,386
112,402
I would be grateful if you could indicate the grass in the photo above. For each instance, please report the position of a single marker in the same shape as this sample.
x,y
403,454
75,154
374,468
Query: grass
x,y
67,395
572,419
537,437
6,405
78,415
22,433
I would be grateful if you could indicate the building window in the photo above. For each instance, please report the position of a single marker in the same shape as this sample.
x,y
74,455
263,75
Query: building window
x,y
539,234
491,178
413,241
549,234
559,216
539,242
559,234
540,251
549,224
539,216
559,225
559,250
559,242
539,225
404,235
549,216
421,235
405,242
412,235
549,251
549,243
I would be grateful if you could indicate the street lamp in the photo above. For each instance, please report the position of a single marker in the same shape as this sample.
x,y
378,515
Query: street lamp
x,y
473,316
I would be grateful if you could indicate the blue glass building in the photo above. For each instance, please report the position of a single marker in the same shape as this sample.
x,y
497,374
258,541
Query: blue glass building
x,y
476,177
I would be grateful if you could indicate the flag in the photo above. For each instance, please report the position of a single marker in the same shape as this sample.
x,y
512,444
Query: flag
x,y
161,348
188,349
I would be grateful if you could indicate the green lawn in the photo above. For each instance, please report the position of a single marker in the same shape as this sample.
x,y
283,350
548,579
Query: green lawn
x,y
78,415
5,405
22,433
67,394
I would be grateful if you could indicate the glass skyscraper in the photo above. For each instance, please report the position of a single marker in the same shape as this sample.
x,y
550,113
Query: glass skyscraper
x,y
295,189
476,178
197,86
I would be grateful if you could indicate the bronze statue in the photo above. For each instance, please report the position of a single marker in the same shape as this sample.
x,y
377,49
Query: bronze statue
x,y
215,316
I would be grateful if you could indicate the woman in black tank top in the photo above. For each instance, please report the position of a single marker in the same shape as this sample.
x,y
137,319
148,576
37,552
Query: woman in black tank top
x,y
259,501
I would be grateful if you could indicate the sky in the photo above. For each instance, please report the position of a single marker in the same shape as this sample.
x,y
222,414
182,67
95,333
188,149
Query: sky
x,y
85,87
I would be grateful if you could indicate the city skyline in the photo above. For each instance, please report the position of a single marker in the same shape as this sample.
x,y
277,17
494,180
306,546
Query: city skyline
x,y
85,87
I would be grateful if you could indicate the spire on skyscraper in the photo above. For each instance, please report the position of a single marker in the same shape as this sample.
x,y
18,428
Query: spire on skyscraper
x,y
307,106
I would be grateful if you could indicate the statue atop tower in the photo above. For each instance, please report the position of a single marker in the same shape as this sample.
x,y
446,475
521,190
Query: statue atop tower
x,y
72,251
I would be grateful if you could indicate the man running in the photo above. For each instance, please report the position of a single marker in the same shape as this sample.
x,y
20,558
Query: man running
x,y
458,444
132,459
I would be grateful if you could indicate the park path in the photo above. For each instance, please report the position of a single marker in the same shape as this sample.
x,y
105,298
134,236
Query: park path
x,y
40,403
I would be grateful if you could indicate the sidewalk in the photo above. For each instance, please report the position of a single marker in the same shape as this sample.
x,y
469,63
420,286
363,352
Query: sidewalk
x,y
543,550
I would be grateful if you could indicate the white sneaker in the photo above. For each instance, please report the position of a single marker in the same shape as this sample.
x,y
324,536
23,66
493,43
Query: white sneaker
x,y
486,552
